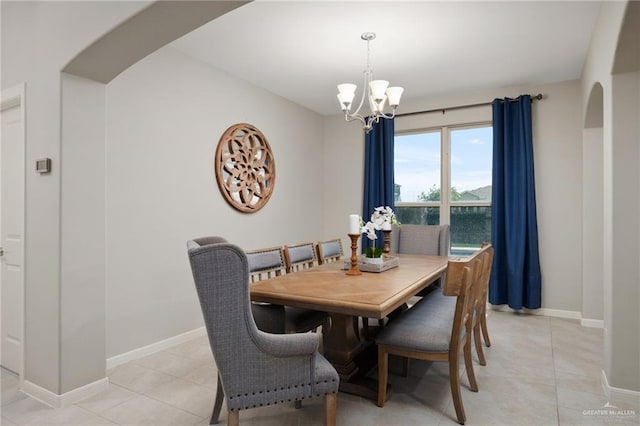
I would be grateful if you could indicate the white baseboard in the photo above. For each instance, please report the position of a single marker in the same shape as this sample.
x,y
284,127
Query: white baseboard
x,y
593,323
154,347
624,397
60,401
556,313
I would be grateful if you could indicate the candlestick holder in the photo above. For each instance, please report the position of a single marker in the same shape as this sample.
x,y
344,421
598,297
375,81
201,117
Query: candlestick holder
x,y
354,255
387,241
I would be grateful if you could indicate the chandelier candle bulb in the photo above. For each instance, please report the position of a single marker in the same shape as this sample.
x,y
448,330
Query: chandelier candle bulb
x,y
378,87
346,95
393,95
354,224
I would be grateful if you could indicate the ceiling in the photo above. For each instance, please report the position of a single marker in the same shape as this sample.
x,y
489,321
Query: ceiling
x,y
302,50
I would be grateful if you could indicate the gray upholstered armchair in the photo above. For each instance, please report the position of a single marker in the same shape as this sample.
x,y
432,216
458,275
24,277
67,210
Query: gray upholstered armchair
x,y
254,368
431,240
421,239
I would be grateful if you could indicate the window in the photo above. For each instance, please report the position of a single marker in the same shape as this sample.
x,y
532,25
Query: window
x,y
443,175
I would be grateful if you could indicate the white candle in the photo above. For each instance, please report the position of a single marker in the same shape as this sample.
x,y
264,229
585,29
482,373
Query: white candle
x,y
354,224
386,226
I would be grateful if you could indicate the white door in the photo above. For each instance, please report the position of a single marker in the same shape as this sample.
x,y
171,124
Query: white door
x,y
12,188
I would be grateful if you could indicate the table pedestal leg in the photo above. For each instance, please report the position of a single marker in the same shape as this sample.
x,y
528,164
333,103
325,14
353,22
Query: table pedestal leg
x,y
342,345
352,357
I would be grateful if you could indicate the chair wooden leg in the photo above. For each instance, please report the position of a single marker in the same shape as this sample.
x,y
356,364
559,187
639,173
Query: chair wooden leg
x,y
217,406
483,325
233,418
468,363
383,371
405,367
297,404
454,380
330,409
478,344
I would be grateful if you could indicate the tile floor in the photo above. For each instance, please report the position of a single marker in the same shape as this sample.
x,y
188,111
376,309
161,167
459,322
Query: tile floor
x,y
541,371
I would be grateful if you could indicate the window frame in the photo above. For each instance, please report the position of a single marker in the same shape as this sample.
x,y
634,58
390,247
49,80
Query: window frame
x,y
445,204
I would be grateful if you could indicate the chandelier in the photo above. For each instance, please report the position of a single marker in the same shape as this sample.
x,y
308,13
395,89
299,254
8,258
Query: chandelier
x,y
377,93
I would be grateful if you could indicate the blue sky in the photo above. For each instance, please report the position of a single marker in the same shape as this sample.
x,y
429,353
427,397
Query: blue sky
x,y
417,160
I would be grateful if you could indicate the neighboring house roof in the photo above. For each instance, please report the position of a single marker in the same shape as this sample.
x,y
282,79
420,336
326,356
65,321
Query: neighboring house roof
x,y
469,196
478,194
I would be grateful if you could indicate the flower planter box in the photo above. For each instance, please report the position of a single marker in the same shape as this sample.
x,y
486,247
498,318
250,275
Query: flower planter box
x,y
388,262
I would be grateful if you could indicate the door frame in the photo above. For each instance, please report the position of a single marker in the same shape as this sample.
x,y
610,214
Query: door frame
x,y
11,98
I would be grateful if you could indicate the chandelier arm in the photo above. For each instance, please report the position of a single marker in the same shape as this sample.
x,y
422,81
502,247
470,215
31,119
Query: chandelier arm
x,y
353,117
369,123
365,90
388,116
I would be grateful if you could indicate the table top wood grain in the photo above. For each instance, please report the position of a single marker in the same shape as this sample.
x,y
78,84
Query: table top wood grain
x,y
372,295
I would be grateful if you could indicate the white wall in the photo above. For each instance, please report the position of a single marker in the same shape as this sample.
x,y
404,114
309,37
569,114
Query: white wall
x,y
625,277
82,235
343,154
558,156
620,199
38,39
165,116
557,138
592,217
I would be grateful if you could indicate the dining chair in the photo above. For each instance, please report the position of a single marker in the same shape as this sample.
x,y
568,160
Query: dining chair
x,y
254,368
437,328
267,263
420,239
432,240
300,256
480,316
329,251
264,264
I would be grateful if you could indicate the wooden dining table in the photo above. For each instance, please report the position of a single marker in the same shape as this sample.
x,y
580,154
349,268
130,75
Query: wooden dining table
x,y
346,297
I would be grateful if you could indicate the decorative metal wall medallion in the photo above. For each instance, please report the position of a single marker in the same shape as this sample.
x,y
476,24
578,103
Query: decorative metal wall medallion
x,y
245,168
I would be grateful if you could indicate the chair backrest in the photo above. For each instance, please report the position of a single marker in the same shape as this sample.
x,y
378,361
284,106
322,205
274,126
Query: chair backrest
x,y
461,281
421,239
454,272
266,263
221,275
329,251
483,285
205,241
300,256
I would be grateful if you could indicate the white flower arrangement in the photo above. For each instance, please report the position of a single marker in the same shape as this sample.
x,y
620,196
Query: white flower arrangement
x,y
381,219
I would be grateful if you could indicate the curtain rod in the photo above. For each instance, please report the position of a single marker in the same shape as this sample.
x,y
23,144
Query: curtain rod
x,y
537,97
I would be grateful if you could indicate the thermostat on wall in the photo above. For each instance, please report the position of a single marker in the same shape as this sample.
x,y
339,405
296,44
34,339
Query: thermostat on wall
x,y
43,165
